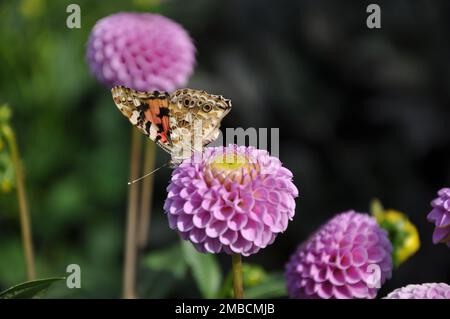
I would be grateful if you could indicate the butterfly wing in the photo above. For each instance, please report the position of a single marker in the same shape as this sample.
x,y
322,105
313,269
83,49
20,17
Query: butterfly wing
x,y
195,120
148,111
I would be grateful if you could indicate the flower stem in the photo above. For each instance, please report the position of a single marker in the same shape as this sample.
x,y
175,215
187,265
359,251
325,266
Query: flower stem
x,y
238,286
146,195
25,222
129,271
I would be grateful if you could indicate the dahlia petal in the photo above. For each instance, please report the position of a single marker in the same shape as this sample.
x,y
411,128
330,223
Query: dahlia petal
x,y
282,171
337,277
444,221
246,205
446,204
352,275
201,218
237,222
250,230
240,245
344,261
274,198
360,239
324,290
185,193
440,234
372,238
197,235
207,204
172,221
260,194
322,274
184,223
434,215
359,290
228,237
212,246
375,254
216,228
310,287
444,192
342,292
266,237
222,212
359,256
189,207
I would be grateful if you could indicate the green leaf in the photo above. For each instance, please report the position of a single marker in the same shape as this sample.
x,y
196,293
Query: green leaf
x,y
29,289
273,286
205,270
168,260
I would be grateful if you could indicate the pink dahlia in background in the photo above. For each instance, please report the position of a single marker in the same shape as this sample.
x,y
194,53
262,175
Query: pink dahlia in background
x,y
348,257
440,216
423,291
142,51
233,199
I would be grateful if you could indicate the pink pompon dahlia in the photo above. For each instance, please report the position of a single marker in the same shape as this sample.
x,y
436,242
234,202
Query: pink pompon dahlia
x,y
440,216
348,257
233,199
143,51
423,291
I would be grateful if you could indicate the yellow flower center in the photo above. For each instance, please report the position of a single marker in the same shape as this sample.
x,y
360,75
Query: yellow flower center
x,y
236,167
229,162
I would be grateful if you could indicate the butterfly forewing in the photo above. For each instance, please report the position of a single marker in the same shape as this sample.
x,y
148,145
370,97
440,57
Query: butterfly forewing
x,y
148,111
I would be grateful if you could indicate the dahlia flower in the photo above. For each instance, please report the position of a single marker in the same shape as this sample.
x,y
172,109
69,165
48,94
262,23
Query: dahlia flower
x,y
348,257
440,216
423,291
142,51
233,199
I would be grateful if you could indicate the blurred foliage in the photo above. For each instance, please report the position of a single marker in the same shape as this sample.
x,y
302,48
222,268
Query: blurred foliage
x,y
175,261
402,233
7,176
74,147
180,261
30,289
257,283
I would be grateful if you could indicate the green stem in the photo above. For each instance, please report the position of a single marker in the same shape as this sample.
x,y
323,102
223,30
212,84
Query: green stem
x,y
24,214
238,285
129,271
146,195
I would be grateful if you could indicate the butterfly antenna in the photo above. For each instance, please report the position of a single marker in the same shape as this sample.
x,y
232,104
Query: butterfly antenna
x,y
148,174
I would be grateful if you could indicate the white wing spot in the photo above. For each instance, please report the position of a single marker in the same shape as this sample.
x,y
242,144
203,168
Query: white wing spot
x,y
134,117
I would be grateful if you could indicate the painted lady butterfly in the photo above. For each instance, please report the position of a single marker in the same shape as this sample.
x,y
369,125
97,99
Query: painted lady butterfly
x,y
180,123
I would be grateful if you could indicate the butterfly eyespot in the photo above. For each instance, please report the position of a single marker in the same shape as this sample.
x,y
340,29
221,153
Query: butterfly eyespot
x,y
206,108
186,102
